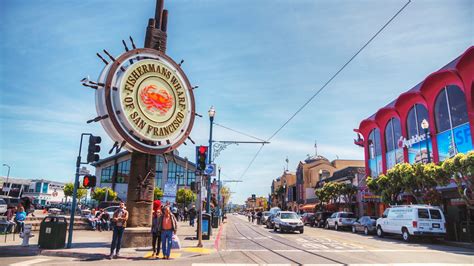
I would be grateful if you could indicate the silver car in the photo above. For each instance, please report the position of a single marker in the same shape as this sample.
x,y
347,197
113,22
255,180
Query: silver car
x,y
3,207
340,220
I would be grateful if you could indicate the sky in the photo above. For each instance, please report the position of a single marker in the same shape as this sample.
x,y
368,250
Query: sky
x,y
256,62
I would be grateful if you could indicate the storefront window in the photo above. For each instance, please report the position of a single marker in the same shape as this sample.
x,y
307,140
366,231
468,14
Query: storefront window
x,y
106,175
375,153
123,172
393,133
452,125
417,149
159,171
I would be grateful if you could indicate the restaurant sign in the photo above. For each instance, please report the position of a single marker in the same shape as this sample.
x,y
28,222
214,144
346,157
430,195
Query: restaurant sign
x,y
408,143
147,100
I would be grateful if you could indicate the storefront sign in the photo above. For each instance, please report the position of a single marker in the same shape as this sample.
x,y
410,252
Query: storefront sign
x,y
407,143
147,101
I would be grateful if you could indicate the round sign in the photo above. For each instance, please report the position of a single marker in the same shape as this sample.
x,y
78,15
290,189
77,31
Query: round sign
x,y
147,101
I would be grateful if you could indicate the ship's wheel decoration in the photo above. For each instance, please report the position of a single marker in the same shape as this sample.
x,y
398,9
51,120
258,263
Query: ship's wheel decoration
x,y
144,101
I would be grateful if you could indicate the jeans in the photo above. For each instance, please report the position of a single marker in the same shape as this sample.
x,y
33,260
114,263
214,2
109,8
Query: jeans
x,y
116,240
93,224
191,222
166,236
156,241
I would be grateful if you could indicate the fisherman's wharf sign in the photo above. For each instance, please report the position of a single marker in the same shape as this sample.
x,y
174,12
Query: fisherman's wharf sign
x,y
148,101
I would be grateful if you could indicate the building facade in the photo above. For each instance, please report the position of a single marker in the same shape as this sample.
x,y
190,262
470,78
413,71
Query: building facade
x,y
41,191
310,172
432,121
114,172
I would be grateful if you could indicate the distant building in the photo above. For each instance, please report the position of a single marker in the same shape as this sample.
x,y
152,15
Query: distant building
x,y
42,191
114,172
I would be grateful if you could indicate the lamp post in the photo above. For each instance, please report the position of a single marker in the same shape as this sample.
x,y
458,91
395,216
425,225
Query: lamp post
x,y
219,193
212,113
8,175
425,126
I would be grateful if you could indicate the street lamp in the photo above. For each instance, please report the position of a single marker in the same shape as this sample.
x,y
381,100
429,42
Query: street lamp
x,y
212,113
8,175
425,126
219,193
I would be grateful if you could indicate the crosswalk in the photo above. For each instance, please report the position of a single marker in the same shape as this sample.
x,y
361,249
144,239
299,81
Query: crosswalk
x,y
335,264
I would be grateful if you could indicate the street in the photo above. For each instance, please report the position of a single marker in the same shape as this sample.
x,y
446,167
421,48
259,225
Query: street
x,y
246,243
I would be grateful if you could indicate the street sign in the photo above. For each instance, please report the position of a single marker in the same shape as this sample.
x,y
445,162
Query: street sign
x,y
210,169
84,171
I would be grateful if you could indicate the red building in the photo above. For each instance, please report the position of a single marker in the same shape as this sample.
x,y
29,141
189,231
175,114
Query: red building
x,y
445,99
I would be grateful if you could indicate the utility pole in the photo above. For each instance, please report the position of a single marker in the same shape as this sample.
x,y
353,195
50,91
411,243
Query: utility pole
x,y
199,200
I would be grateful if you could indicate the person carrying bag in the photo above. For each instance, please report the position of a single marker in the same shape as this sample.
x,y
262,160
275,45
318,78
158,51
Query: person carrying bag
x,y
168,226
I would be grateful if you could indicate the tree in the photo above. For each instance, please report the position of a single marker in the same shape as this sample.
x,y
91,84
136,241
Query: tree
x,y
157,193
99,194
69,190
348,191
185,196
461,169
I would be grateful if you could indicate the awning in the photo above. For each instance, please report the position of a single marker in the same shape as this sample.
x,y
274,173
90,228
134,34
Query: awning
x,y
308,207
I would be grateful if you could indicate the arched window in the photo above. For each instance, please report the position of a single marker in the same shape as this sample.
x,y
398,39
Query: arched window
x,y
375,153
393,132
416,142
452,123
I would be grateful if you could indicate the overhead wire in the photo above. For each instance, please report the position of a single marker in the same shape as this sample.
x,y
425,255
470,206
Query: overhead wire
x,y
325,84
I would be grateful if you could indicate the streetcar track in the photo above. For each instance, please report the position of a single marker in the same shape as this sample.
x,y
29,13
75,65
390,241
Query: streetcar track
x,y
269,249
309,252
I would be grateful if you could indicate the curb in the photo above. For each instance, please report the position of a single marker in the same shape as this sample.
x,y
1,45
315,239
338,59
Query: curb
x,y
458,244
218,237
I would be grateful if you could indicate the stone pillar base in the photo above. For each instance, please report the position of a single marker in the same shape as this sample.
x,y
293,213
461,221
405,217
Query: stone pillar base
x,y
136,237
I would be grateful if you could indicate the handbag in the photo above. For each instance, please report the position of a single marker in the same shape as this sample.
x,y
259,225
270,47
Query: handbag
x,y
175,244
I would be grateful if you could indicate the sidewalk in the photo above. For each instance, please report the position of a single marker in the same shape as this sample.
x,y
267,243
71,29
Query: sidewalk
x,y
94,245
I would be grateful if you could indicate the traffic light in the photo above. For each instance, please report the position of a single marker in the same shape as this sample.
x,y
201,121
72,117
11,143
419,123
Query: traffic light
x,y
201,157
93,149
89,181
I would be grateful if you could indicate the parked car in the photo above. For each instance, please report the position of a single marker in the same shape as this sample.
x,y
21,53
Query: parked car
x,y
366,224
412,220
11,201
265,215
106,204
288,221
111,210
270,222
3,207
306,218
320,218
340,220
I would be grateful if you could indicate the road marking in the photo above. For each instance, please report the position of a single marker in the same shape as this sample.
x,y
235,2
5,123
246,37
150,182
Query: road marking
x,y
342,251
29,262
173,255
378,264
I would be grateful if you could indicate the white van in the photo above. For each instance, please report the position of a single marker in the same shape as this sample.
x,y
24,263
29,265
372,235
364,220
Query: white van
x,y
412,220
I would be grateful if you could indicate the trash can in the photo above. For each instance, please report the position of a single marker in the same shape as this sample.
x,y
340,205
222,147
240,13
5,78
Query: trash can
x,y
215,221
52,234
466,232
206,226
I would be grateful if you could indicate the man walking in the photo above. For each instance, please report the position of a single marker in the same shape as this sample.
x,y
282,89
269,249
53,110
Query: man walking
x,y
192,215
168,226
120,218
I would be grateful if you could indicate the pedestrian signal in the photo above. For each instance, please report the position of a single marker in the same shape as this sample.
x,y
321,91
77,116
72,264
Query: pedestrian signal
x,y
89,181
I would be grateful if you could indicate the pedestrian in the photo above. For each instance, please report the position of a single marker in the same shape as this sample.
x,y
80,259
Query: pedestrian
x,y
20,218
10,214
249,215
192,215
174,210
98,220
185,214
253,216
259,217
168,226
120,218
105,220
156,233
91,219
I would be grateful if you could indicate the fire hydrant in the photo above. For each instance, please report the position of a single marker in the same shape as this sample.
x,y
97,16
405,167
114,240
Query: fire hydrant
x,y
26,234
